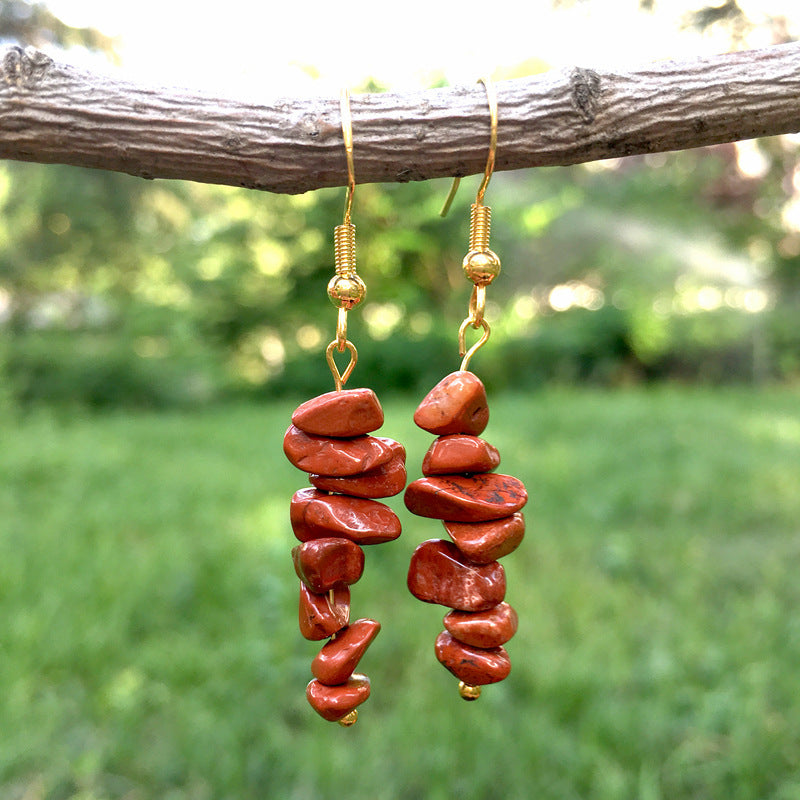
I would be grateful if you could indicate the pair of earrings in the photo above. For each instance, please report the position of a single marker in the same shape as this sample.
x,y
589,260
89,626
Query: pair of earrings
x,y
350,470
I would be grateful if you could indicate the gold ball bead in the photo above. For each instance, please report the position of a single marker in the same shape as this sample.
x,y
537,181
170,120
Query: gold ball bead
x,y
346,291
350,719
469,692
481,266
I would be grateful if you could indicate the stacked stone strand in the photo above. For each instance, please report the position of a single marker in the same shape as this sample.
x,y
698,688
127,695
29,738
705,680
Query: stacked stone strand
x,y
480,511
333,518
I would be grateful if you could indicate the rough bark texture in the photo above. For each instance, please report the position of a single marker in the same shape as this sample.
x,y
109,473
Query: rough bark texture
x,y
53,113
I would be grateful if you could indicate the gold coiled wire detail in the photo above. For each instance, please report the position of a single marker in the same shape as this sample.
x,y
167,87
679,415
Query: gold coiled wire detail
x,y
344,249
480,226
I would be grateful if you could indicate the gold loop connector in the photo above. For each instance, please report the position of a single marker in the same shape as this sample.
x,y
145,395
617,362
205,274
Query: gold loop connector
x,y
340,379
477,306
341,330
462,346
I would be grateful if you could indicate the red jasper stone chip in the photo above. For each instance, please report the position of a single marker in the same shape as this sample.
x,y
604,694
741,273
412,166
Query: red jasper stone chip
x,y
457,404
385,481
328,456
462,498
450,455
335,702
324,564
340,656
316,515
472,665
319,618
483,542
439,573
351,412
484,629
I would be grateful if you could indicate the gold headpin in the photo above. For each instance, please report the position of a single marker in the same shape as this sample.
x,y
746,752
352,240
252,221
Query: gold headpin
x,y
481,265
346,289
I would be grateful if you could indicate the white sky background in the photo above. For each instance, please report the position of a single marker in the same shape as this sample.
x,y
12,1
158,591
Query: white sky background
x,y
263,49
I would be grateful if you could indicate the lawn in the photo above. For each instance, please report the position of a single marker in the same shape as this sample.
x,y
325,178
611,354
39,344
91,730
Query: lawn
x,y
148,632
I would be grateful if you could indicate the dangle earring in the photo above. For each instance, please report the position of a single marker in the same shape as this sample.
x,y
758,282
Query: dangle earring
x,y
480,509
348,470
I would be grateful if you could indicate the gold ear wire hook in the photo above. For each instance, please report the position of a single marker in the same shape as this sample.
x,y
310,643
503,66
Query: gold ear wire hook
x,y
491,96
347,135
481,265
346,290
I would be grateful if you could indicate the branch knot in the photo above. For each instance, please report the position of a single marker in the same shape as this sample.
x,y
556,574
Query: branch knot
x,y
24,68
585,85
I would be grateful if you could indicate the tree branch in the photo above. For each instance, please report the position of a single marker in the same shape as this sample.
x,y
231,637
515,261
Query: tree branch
x,y
55,113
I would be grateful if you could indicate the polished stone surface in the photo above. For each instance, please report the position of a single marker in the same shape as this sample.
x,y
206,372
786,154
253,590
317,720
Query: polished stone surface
x,y
457,404
324,564
459,453
439,573
461,498
385,481
472,665
483,542
318,617
350,412
328,456
335,702
317,515
340,656
484,629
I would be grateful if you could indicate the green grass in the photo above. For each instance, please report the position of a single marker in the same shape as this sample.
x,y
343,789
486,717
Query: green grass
x,y
148,640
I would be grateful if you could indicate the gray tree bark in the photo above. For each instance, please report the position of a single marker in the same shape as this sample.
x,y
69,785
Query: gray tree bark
x,y
54,113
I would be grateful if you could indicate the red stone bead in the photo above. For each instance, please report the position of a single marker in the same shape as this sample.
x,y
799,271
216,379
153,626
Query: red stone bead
x,y
324,564
385,481
347,413
484,629
439,573
319,618
458,453
398,451
328,456
315,515
460,498
457,404
472,665
340,656
335,702
483,542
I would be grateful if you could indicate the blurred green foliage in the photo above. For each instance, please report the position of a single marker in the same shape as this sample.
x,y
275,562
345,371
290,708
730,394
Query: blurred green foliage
x,y
120,292
34,24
